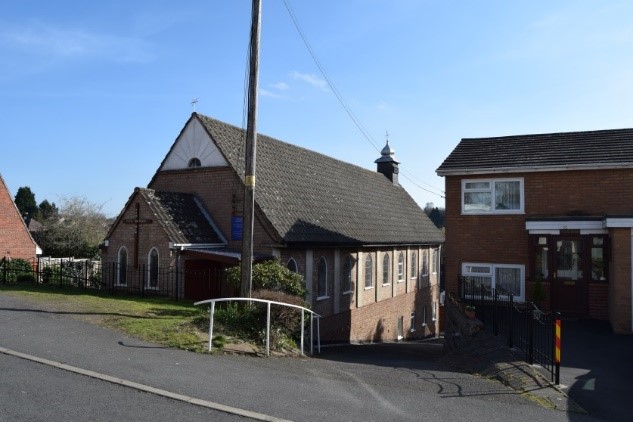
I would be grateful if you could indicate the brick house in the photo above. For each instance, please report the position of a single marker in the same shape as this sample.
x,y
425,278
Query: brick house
x,y
366,250
553,207
15,239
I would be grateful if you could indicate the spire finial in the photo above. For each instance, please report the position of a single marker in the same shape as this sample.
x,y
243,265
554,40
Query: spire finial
x,y
194,101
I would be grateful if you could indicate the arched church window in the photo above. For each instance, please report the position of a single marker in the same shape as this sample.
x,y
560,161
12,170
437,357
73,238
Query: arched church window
x,y
152,270
122,267
195,162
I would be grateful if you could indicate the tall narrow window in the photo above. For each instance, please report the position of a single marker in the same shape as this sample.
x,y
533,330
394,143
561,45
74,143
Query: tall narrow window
x,y
122,267
401,266
369,266
412,326
414,265
347,274
385,269
598,267
322,278
152,271
292,265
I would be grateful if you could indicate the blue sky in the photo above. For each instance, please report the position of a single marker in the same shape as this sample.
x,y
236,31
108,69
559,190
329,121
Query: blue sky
x,y
93,94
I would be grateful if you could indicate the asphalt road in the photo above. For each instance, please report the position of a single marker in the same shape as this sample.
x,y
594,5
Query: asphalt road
x,y
391,382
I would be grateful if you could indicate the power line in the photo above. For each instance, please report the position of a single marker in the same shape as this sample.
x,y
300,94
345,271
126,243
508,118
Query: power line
x,y
340,99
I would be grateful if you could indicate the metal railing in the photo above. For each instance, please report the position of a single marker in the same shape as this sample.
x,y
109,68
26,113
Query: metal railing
x,y
313,315
522,324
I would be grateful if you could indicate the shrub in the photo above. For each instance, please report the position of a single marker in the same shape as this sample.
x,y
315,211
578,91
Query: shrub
x,y
271,275
14,269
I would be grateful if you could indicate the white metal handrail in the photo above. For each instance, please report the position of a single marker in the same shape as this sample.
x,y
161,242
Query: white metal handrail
x,y
313,315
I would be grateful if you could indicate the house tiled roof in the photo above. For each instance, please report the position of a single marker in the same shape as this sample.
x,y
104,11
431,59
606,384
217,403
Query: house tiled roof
x,y
312,198
183,217
541,152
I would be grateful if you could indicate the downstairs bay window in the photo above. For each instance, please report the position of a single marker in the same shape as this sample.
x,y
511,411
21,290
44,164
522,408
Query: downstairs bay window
x,y
506,279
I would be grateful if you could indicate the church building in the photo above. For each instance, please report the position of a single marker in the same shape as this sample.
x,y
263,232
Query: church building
x,y
368,253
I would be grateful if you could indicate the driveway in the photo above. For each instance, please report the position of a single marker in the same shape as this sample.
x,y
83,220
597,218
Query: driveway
x,y
597,368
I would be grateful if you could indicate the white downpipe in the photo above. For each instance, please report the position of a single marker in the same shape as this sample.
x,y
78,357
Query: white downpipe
x,y
211,312
302,329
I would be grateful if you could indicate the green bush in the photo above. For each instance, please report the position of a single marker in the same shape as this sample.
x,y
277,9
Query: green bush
x,y
271,275
12,270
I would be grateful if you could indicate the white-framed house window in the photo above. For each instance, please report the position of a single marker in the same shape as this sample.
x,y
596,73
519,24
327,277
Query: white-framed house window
x,y
492,196
152,269
322,278
121,278
414,265
506,279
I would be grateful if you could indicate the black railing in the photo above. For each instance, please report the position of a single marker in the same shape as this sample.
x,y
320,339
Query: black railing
x,y
522,324
87,274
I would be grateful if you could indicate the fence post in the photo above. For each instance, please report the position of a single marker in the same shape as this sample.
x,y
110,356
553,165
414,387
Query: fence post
x,y
211,313
303,328
4,270
511,323
495,313
61,272
530,351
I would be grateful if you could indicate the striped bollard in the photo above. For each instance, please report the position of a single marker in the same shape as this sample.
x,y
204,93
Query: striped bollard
x,y
557,351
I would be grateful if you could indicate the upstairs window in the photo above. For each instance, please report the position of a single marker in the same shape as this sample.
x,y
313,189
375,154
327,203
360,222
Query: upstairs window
x,y
414,265
401,266
195,162
492,196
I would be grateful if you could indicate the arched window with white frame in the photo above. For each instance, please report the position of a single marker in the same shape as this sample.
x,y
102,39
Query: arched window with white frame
x,y
121,277
292,265
152,269
322,278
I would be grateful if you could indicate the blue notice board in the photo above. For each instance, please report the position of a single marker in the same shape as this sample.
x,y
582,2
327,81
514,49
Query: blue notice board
x,y
237,224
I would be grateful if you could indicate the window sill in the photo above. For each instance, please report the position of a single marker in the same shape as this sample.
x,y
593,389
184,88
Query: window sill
x,y
386,284
413,330
349,292
323,297
400,281
369,288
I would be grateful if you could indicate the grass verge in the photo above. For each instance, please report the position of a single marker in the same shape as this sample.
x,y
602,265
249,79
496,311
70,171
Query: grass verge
x,y
162,321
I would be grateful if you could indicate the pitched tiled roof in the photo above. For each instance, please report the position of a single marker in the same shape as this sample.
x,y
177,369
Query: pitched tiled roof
x,y
553,151
312,198
183,217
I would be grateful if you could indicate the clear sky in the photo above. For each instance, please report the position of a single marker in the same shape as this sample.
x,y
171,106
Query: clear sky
x,y
93,94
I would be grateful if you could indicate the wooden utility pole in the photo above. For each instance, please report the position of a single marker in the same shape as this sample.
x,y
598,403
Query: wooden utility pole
x,y
251,153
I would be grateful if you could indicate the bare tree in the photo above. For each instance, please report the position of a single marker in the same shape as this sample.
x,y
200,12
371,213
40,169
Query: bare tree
x,y
76,230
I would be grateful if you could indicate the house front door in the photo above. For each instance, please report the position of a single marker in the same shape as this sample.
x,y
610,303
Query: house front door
x,y
571,272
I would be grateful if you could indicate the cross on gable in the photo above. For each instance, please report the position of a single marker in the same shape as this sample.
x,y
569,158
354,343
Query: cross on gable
x,y
137,221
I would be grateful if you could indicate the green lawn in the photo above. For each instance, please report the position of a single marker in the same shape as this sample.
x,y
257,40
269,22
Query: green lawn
x,y
176,324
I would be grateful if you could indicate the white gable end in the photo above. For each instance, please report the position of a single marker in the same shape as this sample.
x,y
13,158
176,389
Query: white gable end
x,y
194,142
